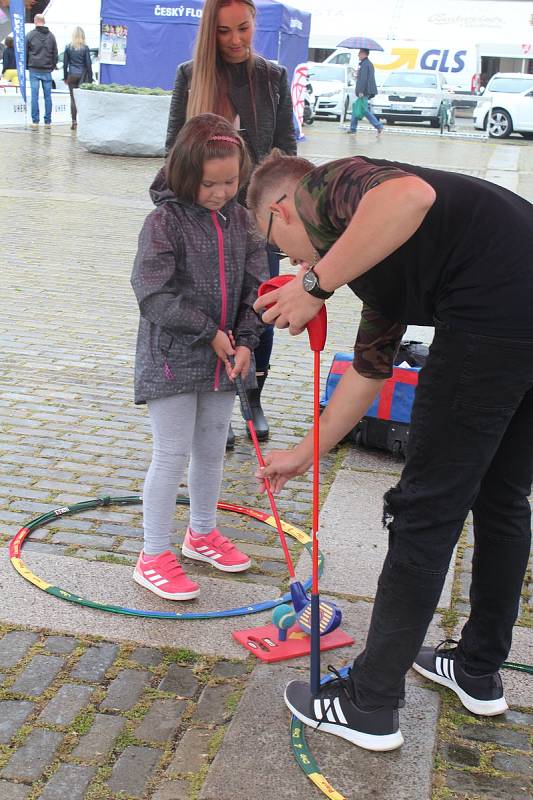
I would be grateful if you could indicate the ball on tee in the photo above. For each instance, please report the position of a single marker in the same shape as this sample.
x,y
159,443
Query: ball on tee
x,y
283,617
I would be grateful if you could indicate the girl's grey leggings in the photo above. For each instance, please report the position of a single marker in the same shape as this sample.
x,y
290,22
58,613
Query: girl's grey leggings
x,y
185,426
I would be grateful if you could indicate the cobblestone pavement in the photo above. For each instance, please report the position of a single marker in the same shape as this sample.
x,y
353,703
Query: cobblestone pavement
x,y
100,717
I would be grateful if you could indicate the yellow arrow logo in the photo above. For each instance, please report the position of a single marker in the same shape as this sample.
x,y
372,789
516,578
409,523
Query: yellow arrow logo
x,y
406,57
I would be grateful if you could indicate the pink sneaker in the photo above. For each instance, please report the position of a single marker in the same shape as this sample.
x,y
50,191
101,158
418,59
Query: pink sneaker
x,y
164,576
216,550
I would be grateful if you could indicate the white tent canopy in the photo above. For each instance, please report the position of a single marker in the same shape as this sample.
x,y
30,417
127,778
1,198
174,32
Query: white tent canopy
x,y
62,16
474,21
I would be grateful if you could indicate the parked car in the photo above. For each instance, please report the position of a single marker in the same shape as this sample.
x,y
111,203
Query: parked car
x,y
506,105
57,74
334,89
409,96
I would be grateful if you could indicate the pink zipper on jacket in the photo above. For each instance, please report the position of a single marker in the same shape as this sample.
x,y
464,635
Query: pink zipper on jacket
x,y
222,275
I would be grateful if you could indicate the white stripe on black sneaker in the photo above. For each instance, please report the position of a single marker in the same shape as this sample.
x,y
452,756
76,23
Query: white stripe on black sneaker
x,y
338,711
317,709
438,667
330,715
452,670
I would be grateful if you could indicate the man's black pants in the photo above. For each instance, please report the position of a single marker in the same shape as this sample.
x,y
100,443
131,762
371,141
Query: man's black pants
x,y
470,448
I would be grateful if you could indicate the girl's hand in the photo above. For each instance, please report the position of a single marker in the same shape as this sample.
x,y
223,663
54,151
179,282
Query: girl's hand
x,y
222,346
243,357
280,466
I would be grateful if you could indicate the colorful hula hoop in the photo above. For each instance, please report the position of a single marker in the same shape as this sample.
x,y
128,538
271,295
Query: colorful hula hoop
x,y
15,549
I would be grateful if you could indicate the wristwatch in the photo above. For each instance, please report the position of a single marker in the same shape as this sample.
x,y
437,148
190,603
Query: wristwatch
x,y
311,285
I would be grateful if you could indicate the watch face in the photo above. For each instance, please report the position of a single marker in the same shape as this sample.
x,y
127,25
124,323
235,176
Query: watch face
x,y
309,281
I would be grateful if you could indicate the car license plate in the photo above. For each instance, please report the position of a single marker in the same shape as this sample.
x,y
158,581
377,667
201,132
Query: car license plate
x,y
401,107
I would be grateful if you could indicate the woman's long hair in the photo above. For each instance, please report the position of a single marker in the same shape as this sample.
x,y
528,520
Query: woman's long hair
x,y
78,38
209,85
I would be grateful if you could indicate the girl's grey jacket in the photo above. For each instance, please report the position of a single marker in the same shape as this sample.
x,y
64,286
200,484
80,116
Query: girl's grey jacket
x,y
196,271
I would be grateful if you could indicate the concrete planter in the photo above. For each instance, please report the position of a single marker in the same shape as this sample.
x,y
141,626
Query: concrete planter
x,y
122,124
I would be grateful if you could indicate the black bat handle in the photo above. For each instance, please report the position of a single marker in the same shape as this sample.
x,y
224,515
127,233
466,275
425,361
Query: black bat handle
x,y
243,397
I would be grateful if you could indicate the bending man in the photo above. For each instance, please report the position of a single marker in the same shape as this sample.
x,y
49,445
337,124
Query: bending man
x,y
424,247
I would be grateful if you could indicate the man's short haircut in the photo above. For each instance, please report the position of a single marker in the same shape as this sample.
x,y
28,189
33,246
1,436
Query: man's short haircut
x,y
39,19
271,176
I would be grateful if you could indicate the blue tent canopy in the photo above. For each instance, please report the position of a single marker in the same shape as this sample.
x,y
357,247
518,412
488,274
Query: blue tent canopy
x,y
161,35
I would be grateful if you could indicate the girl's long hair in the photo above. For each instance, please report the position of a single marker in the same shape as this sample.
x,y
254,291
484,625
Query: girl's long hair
x,y
210,85
78,38
202,138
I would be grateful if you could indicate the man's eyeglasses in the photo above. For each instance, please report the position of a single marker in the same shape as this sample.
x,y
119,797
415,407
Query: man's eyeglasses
x,y
269,229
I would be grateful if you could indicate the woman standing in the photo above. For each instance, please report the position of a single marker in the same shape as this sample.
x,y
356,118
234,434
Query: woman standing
x,y
226,77
77,68
9,62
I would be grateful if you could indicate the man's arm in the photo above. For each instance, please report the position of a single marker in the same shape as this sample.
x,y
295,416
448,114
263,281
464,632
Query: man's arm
x,y
352,397
386,218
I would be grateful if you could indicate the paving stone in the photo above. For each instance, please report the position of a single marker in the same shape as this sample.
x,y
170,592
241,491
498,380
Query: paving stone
x,y
262,718
146,657
124,691
36,754
13,714
179,680
162,721
170,790
70,782
60,645
518,718
133,770
64,707
229,669
99,740
95,662
502,736
191,753
38,675
462,756
82,539
13,791
14,645
485,786
212,704
507,763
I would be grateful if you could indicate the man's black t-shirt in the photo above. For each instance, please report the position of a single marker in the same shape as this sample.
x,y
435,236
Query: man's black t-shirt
x,y
470,264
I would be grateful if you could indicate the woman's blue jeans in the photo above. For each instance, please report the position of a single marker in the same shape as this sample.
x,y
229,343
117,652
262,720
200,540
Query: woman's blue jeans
x,y
470,448
38,77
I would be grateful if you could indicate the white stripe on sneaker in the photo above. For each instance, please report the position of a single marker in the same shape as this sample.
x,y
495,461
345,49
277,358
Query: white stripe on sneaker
x,y
317,707
339,712
330,715
452,670
149,572
161,582
438,667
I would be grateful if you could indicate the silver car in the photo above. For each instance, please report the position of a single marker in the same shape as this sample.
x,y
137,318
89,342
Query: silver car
x,y
410,96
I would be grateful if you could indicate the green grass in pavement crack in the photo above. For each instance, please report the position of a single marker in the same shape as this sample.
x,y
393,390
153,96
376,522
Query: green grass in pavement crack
x,y
232,700
180,655
83,721
110,558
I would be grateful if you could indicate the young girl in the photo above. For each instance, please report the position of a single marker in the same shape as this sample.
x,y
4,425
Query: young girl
x,y
196,275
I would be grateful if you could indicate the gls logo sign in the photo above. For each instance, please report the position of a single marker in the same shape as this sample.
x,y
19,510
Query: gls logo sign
x,y
435,60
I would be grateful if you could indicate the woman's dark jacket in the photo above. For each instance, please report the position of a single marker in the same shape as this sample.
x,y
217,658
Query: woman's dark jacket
x,y
273,107
78,62
8,59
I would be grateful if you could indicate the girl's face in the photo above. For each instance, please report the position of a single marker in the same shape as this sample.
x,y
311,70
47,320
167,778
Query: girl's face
x,y
220,182
235,32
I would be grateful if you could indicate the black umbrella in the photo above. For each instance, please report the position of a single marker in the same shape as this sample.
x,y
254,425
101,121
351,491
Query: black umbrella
x,y
360,42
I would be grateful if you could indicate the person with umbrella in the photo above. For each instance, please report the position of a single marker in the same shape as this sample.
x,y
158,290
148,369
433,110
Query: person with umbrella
x,y
365,86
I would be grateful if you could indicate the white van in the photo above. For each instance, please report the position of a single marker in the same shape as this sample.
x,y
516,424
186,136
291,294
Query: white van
x,y
458,64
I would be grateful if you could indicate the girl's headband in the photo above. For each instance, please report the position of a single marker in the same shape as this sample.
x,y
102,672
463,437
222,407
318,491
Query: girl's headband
x,y
231,139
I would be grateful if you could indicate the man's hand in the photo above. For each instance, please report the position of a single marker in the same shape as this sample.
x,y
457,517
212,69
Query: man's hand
x,y
292,307
281,466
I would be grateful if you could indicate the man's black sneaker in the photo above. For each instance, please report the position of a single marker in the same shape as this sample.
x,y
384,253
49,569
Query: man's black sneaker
x,y
481,695
335,711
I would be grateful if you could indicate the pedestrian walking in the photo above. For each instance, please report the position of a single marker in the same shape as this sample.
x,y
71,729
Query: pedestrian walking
x,y
77,68
226,77
196,274
365,89
41,60
9,62
426,247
